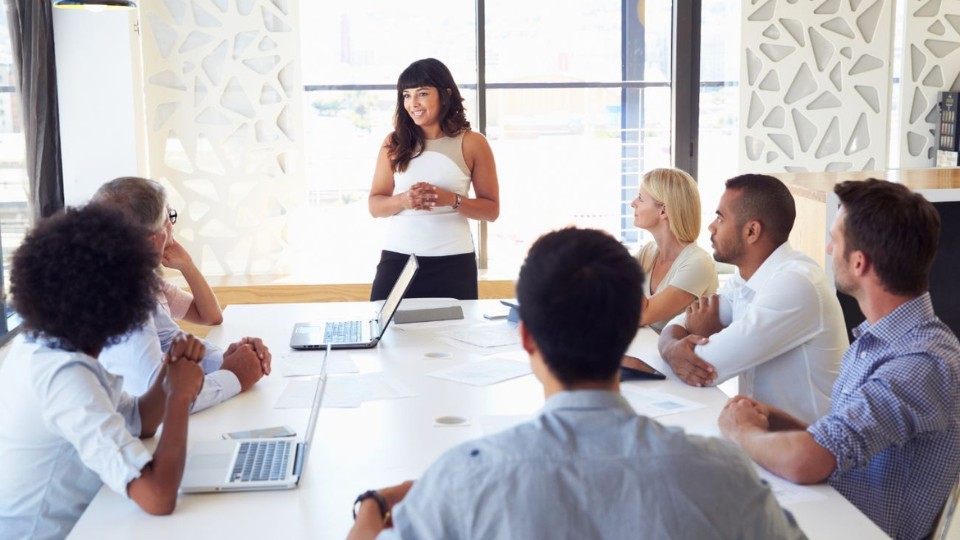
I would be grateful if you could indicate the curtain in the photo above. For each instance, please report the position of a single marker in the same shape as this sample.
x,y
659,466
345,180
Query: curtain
x,y
31,37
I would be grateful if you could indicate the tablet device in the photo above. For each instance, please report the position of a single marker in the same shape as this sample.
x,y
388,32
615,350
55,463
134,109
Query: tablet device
x,y
632,369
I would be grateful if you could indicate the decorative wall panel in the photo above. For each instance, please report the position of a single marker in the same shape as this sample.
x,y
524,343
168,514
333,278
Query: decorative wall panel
x,y
223,100
815,85
931,63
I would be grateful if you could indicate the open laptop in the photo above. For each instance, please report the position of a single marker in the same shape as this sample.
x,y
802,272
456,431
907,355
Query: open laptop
x,y
356,334
253,464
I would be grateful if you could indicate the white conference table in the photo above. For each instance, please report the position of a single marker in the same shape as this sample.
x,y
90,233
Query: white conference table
x,y
382,443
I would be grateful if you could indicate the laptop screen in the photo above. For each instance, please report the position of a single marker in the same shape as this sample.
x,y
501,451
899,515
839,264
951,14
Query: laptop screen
x,y
396,294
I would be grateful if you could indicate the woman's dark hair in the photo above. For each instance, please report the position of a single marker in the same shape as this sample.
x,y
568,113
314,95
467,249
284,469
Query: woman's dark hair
x,y
406,141
83,278
580,297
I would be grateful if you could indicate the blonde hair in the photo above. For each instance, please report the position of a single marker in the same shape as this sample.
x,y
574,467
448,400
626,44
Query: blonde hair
x,y
678,191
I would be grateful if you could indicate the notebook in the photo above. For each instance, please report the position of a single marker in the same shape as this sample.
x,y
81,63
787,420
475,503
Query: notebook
x,y
253,464
358,334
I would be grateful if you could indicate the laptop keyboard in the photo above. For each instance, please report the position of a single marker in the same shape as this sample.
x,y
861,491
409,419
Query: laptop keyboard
x,y
342,332
261,461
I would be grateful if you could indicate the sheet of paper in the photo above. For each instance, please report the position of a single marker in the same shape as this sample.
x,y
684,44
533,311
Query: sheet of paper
x,y
297,363
788,493
495,423
298,394
484,372
368,387
483,339
653,403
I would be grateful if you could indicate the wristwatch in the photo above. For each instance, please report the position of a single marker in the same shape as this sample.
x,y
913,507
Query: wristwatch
x,y
459,200
375,495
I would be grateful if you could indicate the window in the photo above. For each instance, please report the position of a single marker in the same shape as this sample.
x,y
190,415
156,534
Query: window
x,y
14,213
576,104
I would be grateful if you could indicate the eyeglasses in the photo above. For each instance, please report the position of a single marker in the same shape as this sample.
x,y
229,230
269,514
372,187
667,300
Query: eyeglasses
x,y
172,214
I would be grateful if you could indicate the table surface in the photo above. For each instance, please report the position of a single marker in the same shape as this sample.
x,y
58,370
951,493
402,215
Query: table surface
x,y
382,443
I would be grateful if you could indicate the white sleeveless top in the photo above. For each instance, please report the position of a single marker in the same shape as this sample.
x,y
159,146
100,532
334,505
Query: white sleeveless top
x,y
441,231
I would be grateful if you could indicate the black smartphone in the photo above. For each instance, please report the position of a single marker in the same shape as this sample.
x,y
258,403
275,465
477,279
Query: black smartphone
x,y
632,369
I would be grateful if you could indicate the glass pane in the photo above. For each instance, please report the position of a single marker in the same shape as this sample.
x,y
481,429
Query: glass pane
x,y
719,103
553,40
14,213
562,160
371,42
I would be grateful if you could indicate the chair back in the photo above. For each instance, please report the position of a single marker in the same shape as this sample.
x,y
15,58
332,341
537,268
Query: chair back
x,y
946,515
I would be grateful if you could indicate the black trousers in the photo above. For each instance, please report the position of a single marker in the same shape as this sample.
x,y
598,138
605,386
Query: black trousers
x,y
449,276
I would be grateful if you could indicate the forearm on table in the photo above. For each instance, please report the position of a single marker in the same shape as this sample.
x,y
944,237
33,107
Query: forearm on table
x,y
369,522
156,488
794,455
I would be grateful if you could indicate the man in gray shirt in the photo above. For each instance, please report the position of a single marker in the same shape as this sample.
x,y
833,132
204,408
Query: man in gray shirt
x,y
587,466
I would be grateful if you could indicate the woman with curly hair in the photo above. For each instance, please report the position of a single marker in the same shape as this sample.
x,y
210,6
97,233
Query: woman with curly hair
x,y
422,180
81,280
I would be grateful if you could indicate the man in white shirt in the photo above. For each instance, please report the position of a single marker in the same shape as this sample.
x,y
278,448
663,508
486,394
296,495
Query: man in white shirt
x,y
776,323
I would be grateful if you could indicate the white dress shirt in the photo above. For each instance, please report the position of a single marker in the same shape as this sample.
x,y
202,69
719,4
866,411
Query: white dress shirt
x,y
65,430
784,334
139,356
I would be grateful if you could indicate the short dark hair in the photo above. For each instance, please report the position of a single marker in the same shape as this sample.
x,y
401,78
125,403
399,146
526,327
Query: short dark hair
x,y
767,200
897,229
580,294
83,278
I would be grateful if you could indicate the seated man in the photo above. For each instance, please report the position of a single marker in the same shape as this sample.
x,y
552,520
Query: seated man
x,y
891,443
137,359
777,323
587,466
66,427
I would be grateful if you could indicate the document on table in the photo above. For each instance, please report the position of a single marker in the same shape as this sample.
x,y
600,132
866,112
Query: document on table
x,y
299,394
483,339
484,372
653,403
786,492
298,363
352,390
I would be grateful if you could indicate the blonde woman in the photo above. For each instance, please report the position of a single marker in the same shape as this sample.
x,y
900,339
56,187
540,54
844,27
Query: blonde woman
x,y
678,271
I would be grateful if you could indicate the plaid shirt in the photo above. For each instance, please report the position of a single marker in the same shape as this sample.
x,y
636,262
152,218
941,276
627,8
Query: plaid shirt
x,y
894,425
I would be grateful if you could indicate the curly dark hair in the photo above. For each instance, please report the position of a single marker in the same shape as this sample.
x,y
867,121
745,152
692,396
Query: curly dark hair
x,y
83,278
406,141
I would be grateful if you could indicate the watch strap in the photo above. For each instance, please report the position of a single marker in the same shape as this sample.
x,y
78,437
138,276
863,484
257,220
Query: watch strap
x,y
381,503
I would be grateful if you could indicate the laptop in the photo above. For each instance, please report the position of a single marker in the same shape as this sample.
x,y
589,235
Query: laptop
x,y
357,334
253,464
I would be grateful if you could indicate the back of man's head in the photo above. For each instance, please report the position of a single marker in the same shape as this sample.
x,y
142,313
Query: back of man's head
x,y
897,229
767,200
142,200
580,293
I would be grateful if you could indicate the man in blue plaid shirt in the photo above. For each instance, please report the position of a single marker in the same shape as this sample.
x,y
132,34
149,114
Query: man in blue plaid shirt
x,y
891,443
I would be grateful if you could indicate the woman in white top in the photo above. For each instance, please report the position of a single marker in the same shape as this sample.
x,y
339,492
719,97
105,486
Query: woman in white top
x,y
421,182
678,271
81,280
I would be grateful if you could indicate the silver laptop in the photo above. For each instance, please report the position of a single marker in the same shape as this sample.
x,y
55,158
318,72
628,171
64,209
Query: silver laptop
x,y
357,334
253,464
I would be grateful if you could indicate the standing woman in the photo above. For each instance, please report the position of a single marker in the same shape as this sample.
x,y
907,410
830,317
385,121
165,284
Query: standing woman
x,y
422,181
678,270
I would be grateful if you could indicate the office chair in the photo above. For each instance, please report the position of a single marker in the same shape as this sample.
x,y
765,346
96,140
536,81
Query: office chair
x,y
946,515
